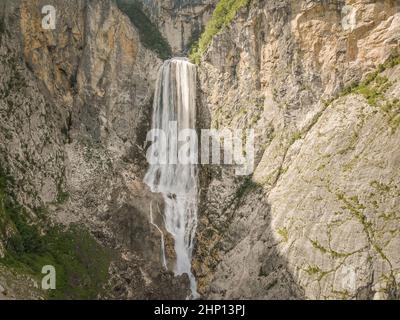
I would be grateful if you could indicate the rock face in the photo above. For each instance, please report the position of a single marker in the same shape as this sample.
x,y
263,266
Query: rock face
x,y
75,108
319,219
180,21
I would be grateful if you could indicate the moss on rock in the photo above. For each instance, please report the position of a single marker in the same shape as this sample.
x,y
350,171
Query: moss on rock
x,y
81,263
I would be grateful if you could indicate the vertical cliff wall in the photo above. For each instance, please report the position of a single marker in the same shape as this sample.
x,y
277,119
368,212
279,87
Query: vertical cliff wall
x,y
180,21
319,83
75,108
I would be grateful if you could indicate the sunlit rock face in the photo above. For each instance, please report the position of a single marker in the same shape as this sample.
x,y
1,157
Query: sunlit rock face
x,y
75,108
319,217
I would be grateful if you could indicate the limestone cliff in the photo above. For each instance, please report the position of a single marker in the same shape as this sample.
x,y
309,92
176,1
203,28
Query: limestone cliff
x,y
75,107
180,21
319,81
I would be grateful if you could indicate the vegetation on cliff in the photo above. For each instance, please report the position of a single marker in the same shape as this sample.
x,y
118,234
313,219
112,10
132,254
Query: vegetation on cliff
x,y
81,263
223,15
373,89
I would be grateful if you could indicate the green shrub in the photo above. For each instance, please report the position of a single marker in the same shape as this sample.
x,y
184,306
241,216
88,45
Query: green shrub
x,y
246,186
283,232
149,34
373,89
81,263
223,15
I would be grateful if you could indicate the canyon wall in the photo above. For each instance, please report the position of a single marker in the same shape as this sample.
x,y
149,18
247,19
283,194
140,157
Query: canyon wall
x,y
75,109
318,219
180,21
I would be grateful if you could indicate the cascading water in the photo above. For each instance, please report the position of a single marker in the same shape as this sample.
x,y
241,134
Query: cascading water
x,y
175,103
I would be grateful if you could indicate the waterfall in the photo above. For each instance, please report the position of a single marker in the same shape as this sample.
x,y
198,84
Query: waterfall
x,y
175,102
164,260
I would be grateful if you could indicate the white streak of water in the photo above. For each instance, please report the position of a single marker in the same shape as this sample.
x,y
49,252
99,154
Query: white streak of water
x,y
175,100
164,260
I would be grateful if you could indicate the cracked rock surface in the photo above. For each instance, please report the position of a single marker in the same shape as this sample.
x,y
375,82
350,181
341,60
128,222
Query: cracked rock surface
x,y
319,218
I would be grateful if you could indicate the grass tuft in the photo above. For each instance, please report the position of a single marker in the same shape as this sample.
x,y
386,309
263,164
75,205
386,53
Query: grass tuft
x,y
223,15
81,263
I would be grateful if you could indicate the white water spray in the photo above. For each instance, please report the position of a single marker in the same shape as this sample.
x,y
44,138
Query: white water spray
x,y
164,260
175,100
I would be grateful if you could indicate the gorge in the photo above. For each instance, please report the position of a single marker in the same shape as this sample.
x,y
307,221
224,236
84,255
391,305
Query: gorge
x,y
318,82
